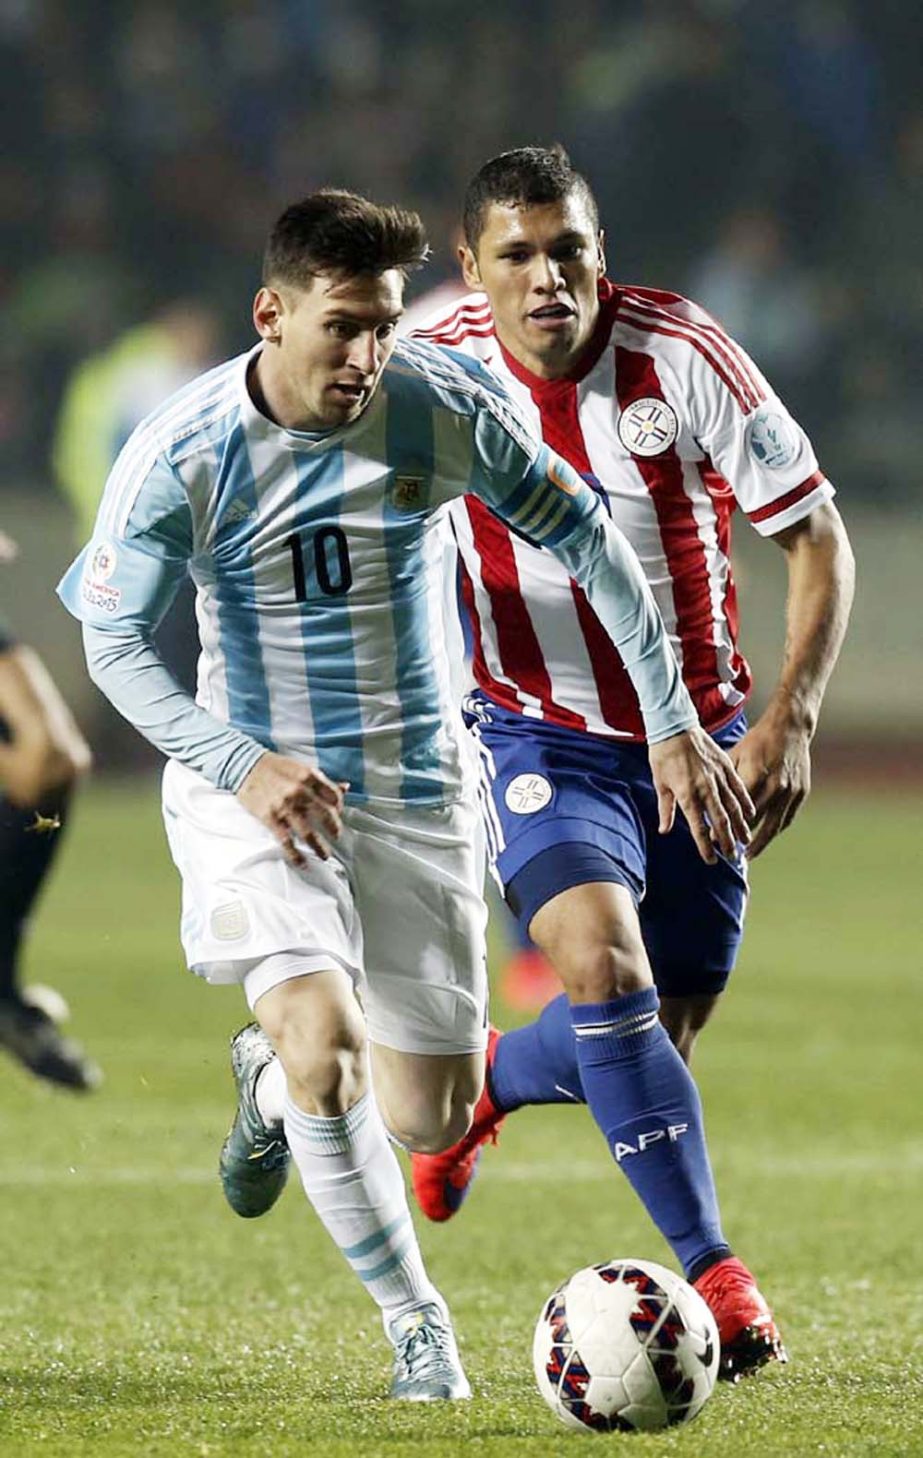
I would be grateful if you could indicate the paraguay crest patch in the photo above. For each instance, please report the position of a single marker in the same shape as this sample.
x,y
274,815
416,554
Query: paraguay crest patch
x,y
527,793
648,427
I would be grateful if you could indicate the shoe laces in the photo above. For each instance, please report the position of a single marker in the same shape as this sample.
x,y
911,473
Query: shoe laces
x,y
423,1349
269,1148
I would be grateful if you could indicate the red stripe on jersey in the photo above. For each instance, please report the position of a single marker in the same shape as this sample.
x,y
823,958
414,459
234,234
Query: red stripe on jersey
x,y
782,503
723,367
478,665
456,336
659,303
517,645
561,429
474,314
724,503
635,378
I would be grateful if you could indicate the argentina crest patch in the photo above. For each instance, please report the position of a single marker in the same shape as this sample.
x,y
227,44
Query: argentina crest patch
x,y
409,491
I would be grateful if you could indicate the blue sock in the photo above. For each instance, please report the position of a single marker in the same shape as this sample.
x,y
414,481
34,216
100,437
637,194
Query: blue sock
x,y
537,1064
644,1100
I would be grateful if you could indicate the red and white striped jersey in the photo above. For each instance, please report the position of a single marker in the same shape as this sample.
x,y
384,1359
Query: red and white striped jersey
x,y
675,426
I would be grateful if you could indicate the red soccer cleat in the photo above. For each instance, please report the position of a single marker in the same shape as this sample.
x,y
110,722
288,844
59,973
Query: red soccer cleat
x,y
442,1181
748,1332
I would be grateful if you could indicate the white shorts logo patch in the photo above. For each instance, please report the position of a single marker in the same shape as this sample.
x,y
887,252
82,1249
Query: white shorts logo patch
x,y
648,427
772,440
527,793
230,922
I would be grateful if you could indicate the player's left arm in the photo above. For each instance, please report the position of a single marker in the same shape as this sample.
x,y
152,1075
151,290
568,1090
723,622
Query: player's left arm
x,y
774,756
748,434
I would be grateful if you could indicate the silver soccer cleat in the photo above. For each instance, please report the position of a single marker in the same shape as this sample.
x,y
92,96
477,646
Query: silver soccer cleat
x,y
427,1367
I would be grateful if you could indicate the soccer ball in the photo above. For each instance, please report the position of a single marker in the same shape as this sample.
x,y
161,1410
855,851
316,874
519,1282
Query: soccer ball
x,y
625,1345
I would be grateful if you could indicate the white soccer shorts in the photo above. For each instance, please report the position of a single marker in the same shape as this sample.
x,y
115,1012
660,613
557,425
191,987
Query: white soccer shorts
x,y
398,906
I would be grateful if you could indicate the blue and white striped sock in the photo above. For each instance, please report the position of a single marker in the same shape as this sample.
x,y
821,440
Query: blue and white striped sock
x,y
352,1178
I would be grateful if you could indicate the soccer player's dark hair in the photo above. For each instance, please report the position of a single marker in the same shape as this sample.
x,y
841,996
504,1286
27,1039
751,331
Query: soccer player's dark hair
x,y
339,232
526,177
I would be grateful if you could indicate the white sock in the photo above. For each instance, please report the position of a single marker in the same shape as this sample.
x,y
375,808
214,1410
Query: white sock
x,y
352,1178
270,1092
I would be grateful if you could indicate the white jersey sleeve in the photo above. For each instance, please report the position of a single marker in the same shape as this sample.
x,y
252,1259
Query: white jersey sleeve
x,y
132,567
120,586
746,431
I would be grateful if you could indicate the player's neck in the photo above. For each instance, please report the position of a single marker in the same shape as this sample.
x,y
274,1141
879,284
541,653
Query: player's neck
x,y
570,365
272,399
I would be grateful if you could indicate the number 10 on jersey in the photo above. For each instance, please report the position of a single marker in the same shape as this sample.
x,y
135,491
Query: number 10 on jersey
x,y
333,571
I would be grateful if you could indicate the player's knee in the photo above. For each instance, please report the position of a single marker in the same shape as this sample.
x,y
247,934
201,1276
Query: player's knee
x,y
429,1127
324,1077
598,972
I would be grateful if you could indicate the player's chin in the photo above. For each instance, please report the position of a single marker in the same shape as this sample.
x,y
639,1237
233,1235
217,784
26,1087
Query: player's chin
x,y
555,343
343,406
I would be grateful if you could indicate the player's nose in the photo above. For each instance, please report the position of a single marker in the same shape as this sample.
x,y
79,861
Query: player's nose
x,y
364,353
548,275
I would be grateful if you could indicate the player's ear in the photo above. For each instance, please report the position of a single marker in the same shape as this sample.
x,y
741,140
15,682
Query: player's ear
x,y
601,251
268,309
469,267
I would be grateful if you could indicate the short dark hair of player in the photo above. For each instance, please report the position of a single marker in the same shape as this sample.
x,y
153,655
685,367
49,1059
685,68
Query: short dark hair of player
x,y
338,232
527,177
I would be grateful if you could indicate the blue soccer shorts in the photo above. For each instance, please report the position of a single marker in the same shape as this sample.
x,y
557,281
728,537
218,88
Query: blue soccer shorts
x,y
564,808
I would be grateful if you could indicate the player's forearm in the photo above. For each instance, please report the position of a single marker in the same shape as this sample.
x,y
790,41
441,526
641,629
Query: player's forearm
x,y
45,748
821,578
601,559
124,664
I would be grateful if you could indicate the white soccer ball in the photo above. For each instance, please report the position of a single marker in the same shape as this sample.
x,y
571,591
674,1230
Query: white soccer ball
x,y
625,1345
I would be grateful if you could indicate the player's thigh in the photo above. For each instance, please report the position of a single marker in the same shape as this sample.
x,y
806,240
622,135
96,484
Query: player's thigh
x,y
591,935
316,1026
692,917
426,1099
247,915
418,881
559,813
692,920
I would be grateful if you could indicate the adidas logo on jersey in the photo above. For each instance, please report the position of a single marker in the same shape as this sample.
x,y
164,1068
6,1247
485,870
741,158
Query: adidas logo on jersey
x,y
239,511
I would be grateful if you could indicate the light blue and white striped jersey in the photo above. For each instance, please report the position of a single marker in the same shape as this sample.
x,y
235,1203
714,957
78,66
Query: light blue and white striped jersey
x,y
318,572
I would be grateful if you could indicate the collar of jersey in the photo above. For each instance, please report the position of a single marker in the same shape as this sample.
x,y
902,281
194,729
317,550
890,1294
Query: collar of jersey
x,y
262,428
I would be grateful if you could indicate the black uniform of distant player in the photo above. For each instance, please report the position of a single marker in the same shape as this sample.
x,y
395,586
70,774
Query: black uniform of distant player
x,y
41,755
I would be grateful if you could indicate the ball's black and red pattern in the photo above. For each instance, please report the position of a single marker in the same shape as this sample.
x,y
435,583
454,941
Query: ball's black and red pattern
x,y
653,1309
567,1372
625,1345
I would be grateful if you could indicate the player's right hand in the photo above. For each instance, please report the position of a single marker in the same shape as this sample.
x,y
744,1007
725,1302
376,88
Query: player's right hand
x,y
692,771
296,802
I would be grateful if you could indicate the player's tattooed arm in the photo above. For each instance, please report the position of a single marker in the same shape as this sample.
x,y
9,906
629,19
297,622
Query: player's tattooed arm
x,y
774,757
294,801
690,770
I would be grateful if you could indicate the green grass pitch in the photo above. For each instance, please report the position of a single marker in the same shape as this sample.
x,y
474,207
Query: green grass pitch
x,y
140,1317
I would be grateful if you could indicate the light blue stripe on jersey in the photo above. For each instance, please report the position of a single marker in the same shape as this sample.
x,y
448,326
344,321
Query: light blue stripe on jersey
x,y
410,451
238,624
327,632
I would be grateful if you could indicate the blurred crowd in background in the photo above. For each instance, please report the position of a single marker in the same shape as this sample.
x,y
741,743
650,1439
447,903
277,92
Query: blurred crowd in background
x,y
766,159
